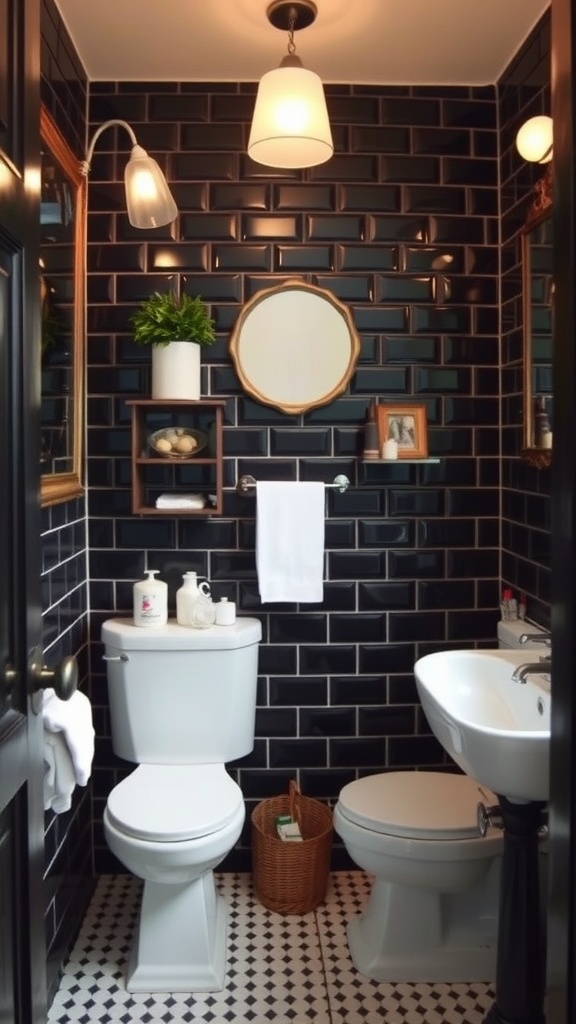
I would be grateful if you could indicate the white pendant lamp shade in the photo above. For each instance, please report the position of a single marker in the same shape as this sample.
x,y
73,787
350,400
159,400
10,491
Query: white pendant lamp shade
x,y
534,140
290,127
148,198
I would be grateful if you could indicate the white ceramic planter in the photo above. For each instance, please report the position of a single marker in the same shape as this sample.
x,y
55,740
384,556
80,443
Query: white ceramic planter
x,y
176,370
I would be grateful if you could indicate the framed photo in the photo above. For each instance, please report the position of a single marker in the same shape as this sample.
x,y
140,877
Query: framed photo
x,y
405,424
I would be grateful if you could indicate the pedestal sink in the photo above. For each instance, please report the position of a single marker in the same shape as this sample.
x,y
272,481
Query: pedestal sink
x,y
495,729
498,731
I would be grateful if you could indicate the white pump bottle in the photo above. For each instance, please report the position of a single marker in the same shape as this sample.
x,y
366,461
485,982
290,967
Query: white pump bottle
x,y
150,601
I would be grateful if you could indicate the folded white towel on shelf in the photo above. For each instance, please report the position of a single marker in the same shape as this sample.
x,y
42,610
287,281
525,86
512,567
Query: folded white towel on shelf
x,y
177,500
290,541
59,777
72,718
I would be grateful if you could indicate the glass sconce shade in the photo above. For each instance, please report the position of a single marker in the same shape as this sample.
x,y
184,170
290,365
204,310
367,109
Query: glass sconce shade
x,y
290,127
534,140
148,198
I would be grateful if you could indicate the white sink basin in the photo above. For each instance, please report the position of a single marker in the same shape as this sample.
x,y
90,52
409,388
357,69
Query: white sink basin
x,y
495,729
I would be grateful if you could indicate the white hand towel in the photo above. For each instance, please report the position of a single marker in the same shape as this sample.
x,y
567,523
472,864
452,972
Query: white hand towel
x,y
73,718
59,778
290,541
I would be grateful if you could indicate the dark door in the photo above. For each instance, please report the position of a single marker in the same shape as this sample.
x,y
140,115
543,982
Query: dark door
x,y
22,945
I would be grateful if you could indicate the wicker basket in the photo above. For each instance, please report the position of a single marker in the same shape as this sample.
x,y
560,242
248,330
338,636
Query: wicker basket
x,y
291,878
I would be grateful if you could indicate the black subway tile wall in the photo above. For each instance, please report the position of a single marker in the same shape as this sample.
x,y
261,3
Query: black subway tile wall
x,y
68,836
524,92
402,225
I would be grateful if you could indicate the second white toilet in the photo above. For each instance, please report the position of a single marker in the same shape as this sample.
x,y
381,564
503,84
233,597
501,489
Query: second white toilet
x,y
432,914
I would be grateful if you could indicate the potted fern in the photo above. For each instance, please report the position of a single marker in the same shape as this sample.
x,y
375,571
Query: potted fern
x,y
176,327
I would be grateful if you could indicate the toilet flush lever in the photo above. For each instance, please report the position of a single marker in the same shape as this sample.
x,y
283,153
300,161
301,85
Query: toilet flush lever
x,y
115,657
488,817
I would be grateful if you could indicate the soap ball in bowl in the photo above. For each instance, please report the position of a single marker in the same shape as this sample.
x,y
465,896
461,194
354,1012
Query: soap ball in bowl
x,y
177,442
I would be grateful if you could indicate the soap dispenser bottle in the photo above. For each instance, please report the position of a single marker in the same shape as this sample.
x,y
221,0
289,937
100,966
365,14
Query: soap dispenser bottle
x,y
150,601
186,597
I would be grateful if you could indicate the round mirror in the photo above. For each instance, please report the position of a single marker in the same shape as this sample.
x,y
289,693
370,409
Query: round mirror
x,y
294,347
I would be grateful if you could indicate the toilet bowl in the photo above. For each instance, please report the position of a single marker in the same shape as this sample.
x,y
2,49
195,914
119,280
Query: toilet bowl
x,y
182,704
432,913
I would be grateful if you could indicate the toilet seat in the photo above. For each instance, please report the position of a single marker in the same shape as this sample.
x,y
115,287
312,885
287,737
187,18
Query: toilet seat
x,y
174,803
416,805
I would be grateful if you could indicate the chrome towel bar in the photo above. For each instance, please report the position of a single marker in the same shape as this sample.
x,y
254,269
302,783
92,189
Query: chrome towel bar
x,y
247,483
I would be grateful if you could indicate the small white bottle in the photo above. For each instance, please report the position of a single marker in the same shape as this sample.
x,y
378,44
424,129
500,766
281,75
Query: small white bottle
x,y
150,601
186,598
225,612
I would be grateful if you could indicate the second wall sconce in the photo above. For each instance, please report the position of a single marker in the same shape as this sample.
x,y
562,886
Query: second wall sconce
x,y
148,199
290,126
534,140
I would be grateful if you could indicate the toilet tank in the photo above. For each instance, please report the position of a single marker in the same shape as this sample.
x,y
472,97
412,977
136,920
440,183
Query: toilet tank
x,y
180,695
509,634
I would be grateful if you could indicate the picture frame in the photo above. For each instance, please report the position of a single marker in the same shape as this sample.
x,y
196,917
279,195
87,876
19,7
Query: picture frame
x,y
405,424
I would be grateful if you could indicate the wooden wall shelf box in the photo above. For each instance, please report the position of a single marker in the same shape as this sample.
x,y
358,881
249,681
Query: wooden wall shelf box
x,y
153,474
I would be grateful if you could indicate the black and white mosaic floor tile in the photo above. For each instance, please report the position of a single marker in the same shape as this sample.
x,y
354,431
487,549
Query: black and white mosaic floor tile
x,y
355,999
290,969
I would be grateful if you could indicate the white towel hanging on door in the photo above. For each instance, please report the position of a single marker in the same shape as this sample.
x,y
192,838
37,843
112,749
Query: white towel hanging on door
x,y
290,541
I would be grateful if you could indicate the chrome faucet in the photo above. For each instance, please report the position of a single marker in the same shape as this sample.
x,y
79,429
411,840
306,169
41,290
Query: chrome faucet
x,y
544,666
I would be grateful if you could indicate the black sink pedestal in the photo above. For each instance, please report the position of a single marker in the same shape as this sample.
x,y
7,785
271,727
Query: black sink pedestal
x,y
520,964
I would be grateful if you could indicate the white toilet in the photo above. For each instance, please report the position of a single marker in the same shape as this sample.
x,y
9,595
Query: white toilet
x,y
432,914
182,705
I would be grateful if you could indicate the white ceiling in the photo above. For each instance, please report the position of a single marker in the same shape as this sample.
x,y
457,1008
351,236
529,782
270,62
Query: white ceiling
x,y
424,42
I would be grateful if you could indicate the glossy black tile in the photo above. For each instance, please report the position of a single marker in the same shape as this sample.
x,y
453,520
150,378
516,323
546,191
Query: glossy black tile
x,y
300,691
386,721
434,199
272,228
378,533
417,564
298,753
357,628
327,722
276,722
309,257
323,660
303,197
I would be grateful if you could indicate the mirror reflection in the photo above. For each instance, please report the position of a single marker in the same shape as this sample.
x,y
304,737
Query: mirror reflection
x,y
294,347
62,316
538,303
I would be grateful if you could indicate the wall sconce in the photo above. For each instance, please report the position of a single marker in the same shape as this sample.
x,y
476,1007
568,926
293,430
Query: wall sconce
x,y
290,126
148,199
534,140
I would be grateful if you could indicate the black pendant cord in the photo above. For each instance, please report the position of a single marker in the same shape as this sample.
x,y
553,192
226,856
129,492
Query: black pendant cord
x,y
520,971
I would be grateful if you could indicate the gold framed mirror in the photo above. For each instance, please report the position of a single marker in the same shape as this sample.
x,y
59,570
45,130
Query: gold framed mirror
x,y
62,295
538,315
294,347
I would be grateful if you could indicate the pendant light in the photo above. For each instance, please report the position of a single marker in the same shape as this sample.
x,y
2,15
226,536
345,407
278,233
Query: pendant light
x,y
148,199
290,126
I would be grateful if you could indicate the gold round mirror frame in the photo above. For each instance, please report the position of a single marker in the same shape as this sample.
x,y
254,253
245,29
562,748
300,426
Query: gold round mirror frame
x,y
294,347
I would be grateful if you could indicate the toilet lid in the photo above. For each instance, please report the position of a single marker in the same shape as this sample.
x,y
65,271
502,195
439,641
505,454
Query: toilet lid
x,y
171,803
417,805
